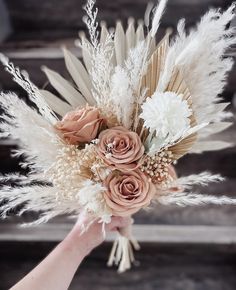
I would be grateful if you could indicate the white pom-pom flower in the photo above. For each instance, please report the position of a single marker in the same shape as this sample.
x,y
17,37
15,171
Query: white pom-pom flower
x,y
166,114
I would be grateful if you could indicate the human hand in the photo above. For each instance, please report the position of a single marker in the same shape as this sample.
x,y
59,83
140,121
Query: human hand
x,y
93,236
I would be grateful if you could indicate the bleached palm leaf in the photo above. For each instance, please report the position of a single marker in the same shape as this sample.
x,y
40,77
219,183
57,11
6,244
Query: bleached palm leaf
x,y
183,147
215,112
86,48
120,44
178,86
56,104
64,88
79,75
155,67
210,146
130,36
140,33
104,33
214,128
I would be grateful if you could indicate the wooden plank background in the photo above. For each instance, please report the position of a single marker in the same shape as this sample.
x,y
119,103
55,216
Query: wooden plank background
x,y
158,267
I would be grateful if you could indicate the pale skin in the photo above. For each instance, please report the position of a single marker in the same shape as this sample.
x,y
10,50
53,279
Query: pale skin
x,y
57,270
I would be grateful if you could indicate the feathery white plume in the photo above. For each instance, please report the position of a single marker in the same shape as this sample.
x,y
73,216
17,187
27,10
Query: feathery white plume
x,y
193,199
21,123
200,58
159,11
203,179
125,84
91,198
91,21
22,78
147,14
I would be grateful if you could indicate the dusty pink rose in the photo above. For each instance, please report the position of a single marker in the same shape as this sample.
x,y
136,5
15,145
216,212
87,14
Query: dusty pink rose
x,y
81,125
128,192
120,147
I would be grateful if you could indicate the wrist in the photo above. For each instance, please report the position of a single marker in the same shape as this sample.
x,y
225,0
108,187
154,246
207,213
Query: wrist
x,y
75,244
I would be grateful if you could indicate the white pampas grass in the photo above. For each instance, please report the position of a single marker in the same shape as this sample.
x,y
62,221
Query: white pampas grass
x,y
22,78
21,123
147,14
125,85
91,21
91,198
200,58
193,199
39,199
202,179
39,145
100,73
122,96
159,11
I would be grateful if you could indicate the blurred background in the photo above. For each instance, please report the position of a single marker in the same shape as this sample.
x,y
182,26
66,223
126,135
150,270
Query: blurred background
x,y
192,248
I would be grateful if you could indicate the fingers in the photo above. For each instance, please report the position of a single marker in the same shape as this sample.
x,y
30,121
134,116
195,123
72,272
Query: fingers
x,y
119,222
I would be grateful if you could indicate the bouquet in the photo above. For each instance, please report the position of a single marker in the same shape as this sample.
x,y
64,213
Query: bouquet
x,y
108,144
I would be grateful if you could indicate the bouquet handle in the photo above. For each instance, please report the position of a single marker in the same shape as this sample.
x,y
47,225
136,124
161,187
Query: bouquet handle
x,y
122,252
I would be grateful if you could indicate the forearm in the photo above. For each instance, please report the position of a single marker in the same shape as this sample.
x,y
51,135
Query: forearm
x,y
58,268
56,271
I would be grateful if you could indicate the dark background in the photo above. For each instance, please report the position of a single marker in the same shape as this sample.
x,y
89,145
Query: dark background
x,y
31,34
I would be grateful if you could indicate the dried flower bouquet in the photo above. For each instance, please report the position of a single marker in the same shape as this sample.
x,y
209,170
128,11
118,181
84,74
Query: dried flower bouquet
x,y
136,107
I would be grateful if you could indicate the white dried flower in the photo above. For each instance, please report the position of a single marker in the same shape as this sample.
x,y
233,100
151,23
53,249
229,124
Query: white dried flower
x,y
91,198
167,114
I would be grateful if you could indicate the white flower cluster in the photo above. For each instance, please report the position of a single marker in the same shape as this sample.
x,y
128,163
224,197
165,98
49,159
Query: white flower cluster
x,y
166,115
91,198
